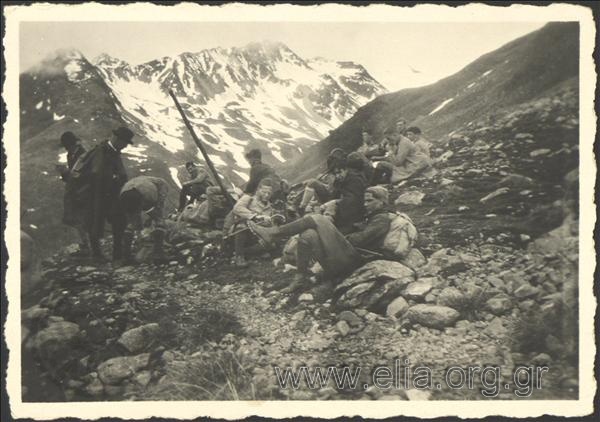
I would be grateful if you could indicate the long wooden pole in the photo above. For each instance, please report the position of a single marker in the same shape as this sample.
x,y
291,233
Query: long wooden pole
x,y
200,146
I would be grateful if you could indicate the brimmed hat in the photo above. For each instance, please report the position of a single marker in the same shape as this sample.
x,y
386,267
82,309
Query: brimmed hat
x,y
124,133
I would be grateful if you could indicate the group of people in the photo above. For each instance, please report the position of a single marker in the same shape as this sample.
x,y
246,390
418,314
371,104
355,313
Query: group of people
x,y
337,216
98,191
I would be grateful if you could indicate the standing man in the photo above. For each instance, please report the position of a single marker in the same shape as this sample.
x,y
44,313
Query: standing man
x,y
195,187
259,171
72,201
144,194
106,177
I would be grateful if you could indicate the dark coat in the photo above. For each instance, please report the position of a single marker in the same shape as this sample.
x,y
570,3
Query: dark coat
x,y
350,207
106,178
259,171
373,232
72,204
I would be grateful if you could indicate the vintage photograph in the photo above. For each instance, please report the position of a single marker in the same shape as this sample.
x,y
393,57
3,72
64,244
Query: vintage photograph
x,y
221,208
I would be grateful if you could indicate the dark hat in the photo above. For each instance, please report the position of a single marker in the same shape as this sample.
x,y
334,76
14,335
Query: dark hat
x,y
68,138
355,161
414,130
124,134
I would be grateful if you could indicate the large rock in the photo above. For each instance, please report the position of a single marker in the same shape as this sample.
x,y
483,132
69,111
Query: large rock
x,y
410,198
414,259
438,261
432,316
34,314
140,338
499,305
450,296
397,307
380,270
418,289
526,291
57,336
117,369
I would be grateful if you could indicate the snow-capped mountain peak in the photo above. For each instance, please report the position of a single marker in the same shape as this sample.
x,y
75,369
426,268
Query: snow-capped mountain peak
x,y
259,95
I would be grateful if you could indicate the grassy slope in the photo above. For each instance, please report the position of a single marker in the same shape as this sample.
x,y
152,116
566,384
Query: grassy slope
x,y
521,70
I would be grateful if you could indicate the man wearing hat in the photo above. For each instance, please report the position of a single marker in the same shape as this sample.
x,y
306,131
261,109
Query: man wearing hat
x,y
106,178
320,240
72,202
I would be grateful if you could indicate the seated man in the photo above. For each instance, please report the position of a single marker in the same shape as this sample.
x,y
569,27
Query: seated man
x,y
194,188
404,158
320,240
346,187
251,208
144,194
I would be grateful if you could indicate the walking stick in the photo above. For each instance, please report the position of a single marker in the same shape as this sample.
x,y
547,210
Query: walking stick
x,y
200,146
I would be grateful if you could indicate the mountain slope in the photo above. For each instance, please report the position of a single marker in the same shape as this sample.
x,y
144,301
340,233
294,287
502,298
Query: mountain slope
x,y
260,95
521,70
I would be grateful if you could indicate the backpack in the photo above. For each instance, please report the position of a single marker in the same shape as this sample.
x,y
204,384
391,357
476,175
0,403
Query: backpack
x,y
401,237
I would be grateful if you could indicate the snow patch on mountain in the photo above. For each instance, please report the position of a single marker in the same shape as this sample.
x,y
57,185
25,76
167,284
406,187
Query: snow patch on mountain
x,y
441,106
261,95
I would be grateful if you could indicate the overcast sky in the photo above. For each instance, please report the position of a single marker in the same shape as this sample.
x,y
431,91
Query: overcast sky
x,y
399,55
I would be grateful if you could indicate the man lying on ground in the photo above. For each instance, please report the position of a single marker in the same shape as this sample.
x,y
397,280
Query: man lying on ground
x,y
320,240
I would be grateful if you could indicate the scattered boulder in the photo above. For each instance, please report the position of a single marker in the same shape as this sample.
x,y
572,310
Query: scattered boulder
x,y
351,318
449,296
432,316
414,259
499,305
525,291
140,338
417,290
410,198
57,336
33,314
343,328
117,369
397,307
379,270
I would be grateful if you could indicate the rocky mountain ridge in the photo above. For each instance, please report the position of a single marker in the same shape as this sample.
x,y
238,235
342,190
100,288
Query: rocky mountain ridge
x,y
261,95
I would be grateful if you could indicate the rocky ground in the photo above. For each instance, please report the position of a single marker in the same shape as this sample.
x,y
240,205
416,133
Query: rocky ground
x,y
200,328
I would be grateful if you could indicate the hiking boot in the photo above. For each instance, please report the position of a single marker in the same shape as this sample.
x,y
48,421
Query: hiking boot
x,y
300,281
265,234
240,261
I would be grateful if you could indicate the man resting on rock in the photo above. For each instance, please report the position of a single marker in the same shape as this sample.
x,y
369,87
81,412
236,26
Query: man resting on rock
x,y
144,194
320,240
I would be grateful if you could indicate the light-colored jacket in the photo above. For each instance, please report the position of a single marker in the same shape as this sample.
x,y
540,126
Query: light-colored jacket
x,y
154,194
248,207
408,158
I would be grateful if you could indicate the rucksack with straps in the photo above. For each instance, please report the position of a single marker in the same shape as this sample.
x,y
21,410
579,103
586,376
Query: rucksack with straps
x,y
401,236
